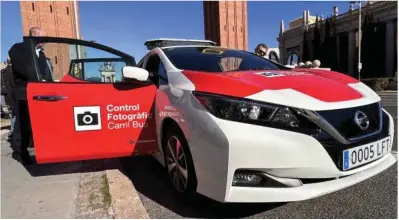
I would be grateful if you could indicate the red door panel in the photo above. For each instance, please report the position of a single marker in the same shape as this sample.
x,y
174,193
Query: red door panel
x,y
69,78
80,121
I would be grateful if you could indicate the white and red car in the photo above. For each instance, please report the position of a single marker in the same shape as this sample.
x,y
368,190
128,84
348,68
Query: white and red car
x,y
225,123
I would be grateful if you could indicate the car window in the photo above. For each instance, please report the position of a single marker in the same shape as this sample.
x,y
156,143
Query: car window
x,y
82,62
156,69
213,59
141,63
98,70
230,63
163,76
152,64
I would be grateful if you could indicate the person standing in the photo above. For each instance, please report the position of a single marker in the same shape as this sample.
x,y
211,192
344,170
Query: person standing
x,y
45,65
8,79
22,135
261,50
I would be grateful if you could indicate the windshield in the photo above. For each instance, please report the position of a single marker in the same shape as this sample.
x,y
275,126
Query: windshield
x,y
214,59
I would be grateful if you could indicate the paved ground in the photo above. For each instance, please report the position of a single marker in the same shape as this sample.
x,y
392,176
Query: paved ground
x,y
389,98
37,191
67,190
373,198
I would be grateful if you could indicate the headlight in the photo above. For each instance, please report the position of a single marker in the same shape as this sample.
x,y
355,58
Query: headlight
x,y
247,111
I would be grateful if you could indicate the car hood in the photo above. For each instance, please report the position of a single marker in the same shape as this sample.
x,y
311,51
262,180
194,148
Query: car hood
x,y
304,88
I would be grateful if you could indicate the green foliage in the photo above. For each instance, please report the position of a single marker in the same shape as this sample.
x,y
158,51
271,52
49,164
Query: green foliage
x,y
306,47
105,190
317,41
372,47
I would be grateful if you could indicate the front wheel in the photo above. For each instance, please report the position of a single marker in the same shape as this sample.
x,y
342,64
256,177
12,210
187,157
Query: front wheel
x,y
179,164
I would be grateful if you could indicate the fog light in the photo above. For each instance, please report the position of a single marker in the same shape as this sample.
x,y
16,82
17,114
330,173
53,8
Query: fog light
x,y
246,179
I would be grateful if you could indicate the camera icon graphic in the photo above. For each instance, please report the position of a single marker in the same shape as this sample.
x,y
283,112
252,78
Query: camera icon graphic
x,y
87,118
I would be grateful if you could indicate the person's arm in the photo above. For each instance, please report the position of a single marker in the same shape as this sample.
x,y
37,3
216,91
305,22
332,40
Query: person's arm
x,y
18,56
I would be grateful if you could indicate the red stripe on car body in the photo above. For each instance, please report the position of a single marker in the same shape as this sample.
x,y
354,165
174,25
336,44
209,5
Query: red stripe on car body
x,y
323,85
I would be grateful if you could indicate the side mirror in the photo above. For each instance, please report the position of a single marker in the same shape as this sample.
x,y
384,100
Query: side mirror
x,y
131,72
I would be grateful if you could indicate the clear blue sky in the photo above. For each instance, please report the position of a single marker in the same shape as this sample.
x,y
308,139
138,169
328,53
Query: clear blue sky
x,y
127,25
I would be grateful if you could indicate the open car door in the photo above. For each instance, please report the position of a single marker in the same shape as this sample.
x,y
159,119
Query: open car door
x,y
98,114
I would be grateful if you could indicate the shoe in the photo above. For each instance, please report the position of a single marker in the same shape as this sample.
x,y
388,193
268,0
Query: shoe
x,y
24,160
27,161
16,156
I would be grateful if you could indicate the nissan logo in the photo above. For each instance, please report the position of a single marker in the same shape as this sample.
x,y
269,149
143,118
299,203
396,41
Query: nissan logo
x,y
362,120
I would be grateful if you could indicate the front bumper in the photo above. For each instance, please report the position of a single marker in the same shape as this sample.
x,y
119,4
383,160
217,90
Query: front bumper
x,y
306,191
230,146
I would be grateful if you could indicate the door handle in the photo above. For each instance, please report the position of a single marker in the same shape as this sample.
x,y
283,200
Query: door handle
x,y
48,98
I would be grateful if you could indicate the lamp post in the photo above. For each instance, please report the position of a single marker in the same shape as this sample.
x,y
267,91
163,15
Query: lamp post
x,y
75,5
359,65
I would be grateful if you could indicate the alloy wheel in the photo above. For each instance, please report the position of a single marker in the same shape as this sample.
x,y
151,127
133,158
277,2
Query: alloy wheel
x,y
176,163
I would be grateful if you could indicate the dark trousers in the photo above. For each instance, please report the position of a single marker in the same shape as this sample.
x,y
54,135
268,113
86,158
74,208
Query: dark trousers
x,y
22,135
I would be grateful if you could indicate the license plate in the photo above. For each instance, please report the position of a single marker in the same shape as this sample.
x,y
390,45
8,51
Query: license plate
x,y
360,155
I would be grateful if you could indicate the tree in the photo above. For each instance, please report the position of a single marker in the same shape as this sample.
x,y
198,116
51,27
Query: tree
x,y
317,40
334,39
370,48
305,46
329,46
365,49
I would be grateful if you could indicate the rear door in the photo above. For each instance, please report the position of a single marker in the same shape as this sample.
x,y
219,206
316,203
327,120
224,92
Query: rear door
x,y
88,110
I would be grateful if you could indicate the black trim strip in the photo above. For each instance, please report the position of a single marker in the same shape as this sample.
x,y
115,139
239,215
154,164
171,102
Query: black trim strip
x,y
80,42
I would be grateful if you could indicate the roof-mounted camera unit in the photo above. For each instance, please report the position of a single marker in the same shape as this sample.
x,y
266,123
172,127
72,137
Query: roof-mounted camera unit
x,y
169,42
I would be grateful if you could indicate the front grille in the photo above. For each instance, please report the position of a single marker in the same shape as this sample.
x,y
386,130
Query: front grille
x,y
335,148
343,120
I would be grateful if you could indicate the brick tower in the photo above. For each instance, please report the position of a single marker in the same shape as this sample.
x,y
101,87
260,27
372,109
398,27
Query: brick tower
x,y
58,19
226,22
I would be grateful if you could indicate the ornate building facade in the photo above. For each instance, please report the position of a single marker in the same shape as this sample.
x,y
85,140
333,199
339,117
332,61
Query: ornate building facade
x,y
345,29
107,72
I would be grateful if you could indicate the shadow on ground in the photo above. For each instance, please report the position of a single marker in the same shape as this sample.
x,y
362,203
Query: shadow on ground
x,y
36,170
150,180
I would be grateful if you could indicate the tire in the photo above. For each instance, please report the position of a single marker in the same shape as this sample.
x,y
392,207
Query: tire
x,y
180,170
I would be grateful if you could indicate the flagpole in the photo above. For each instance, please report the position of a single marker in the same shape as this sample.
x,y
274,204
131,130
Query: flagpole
x,y
359,65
